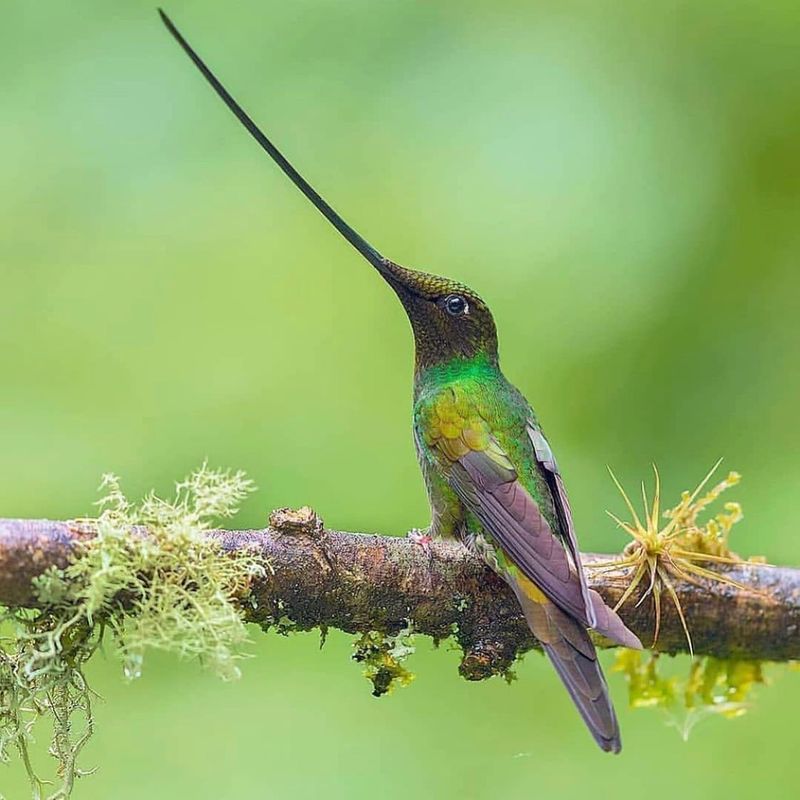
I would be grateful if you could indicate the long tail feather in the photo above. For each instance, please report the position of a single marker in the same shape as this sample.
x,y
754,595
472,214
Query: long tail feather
x,y
572,653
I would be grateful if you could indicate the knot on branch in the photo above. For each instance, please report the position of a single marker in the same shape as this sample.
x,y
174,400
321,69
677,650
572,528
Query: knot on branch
x,y
297,522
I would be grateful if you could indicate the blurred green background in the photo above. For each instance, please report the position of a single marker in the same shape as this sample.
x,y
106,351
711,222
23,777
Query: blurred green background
x,y
621,182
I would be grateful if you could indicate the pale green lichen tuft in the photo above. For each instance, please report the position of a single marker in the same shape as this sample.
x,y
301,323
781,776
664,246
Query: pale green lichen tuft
x,y
712,687
173,589
382,656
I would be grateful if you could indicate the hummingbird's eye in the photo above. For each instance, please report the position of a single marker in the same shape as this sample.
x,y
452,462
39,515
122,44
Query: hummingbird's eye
x,y
455,305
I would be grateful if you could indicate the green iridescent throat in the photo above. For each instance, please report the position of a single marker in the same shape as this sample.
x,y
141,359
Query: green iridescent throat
x,y
477,369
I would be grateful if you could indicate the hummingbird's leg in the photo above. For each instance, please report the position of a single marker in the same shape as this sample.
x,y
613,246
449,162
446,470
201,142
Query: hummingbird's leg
x,y
421,538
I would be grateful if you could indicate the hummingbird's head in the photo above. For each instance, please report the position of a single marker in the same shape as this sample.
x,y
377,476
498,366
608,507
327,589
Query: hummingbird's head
x,y
448,319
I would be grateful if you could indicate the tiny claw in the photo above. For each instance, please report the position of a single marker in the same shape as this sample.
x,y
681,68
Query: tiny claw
x,y
421,539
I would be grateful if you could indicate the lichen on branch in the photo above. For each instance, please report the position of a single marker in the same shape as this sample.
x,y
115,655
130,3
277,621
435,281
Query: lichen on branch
x,y
711,687
147,577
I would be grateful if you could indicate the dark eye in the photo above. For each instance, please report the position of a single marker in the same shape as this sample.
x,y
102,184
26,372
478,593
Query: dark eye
x,y
455,305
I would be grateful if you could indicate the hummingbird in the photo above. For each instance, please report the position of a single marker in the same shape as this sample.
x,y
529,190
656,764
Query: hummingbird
x,y
491,476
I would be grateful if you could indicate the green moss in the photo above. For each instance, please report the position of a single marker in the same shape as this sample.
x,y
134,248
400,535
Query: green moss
x,y
173,590
712,687
383,656
510,675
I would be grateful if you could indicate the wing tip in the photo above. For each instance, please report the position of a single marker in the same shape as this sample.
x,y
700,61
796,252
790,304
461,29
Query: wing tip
x,y
609,624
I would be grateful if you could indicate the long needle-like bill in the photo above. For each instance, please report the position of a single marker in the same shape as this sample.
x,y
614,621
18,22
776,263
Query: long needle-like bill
x,y
360,244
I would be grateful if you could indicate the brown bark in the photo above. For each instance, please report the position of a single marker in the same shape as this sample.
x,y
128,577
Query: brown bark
x,y
359,583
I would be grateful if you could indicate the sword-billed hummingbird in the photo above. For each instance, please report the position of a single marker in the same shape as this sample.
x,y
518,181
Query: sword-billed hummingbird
x,y
491,477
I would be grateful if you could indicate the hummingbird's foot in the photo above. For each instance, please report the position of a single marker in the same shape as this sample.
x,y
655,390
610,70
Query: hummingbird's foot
x,y
422,539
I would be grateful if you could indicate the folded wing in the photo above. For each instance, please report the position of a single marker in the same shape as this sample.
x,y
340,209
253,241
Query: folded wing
x,y
491,490
488,485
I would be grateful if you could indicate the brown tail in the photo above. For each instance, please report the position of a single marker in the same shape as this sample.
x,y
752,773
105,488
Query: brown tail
x,y
572,653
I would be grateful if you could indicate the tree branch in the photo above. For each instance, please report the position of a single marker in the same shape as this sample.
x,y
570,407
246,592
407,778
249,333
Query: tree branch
x,y
359,583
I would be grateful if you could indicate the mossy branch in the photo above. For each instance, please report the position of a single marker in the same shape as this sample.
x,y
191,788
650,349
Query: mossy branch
x,y
317,578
